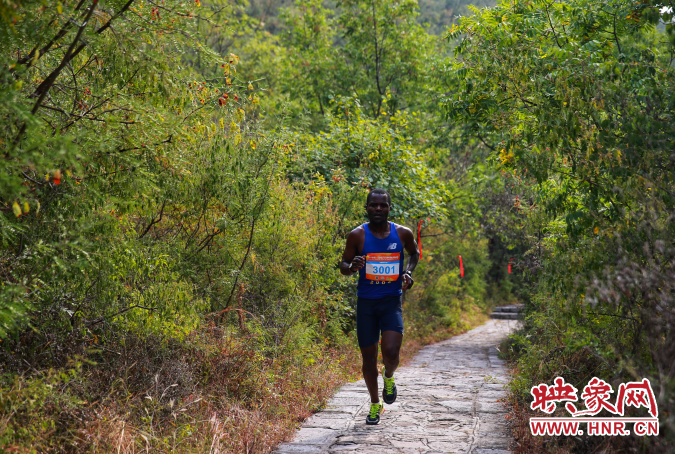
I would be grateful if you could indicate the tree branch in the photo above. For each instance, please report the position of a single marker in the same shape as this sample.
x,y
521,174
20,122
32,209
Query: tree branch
x,y
42,90
154,221
377,60
243,262
552,28
102,319
616,38
485,143
118,14
64,30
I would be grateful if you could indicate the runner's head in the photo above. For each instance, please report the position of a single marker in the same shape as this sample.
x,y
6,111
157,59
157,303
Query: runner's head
x,y
378,204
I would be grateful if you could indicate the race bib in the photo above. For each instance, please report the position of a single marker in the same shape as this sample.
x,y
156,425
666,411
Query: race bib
x,y
383,267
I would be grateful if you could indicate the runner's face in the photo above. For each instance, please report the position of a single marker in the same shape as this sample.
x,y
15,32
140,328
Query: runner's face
x,y
378,209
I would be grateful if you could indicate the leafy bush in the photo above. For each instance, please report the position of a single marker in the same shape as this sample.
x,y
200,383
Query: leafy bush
x,y
180,240
575,98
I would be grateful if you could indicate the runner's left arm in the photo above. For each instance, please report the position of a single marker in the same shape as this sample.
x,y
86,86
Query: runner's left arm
x,y
413,251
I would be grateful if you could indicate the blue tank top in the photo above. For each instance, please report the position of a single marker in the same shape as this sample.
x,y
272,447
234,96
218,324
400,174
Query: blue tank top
x,y
384,265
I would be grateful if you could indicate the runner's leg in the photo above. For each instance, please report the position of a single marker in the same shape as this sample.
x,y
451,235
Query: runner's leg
x,y
369,355
391,346
391,326
368,333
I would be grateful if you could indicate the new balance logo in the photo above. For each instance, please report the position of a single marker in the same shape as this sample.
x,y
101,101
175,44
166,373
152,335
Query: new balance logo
x,y
392,246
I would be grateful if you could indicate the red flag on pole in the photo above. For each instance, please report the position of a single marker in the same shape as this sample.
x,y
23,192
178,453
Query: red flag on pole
x,y
419,237
461,266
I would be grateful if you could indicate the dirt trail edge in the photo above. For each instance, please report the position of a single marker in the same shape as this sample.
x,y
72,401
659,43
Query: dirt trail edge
x,y
448,402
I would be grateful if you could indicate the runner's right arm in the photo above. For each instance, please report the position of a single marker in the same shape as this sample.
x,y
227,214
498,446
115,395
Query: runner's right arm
x,y
351,261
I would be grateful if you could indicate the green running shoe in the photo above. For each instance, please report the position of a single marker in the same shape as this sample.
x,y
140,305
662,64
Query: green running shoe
x,y
374,415
389,391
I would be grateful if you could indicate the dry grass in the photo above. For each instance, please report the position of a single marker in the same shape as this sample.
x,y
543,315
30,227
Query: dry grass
x,y
211,393
244,404
214,393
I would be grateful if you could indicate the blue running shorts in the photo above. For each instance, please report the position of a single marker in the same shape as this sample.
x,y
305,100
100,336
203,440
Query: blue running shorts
x,y
376,315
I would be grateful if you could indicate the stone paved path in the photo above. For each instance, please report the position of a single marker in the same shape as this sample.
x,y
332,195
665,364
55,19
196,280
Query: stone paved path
x,y
448,402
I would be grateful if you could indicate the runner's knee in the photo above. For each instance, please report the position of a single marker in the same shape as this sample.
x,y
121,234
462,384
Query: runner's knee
x,y
390,354
369,356
369,366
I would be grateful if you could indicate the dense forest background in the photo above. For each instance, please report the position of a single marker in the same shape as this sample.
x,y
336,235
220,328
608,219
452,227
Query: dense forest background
x,y
179,176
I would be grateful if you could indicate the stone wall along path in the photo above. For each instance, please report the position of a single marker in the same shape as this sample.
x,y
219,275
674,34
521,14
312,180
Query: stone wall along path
x,y
448,402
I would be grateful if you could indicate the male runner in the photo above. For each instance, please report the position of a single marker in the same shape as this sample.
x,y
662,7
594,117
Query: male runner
x,y
375,251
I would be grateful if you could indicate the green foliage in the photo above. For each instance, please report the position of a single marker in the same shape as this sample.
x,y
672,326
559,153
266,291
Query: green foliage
x,y
127,145
441,14
23,398
445,293
374,153
313,66
579,111
177,183
575,100
324,54
387,61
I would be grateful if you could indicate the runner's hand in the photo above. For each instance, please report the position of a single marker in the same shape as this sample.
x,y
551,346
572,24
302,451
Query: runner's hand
x,y
407,281
358,263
